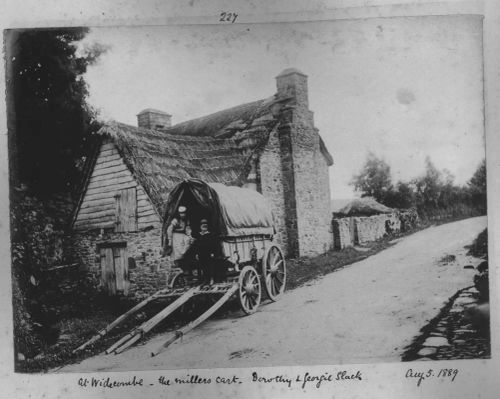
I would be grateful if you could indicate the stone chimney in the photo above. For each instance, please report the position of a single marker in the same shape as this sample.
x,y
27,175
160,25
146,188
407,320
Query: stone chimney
x,y
293,83
304,171
154,119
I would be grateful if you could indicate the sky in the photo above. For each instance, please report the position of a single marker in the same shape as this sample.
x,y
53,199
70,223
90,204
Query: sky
x,y
404,88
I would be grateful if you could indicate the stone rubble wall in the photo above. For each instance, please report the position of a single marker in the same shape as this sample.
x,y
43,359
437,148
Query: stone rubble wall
x,y
459,331
273,187
370,228
147,269
342,237
350,231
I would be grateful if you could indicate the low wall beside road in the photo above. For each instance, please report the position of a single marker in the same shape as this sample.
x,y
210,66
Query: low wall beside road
x,y
355,230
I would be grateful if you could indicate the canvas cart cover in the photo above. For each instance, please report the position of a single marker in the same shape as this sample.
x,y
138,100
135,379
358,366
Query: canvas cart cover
x,y
232,211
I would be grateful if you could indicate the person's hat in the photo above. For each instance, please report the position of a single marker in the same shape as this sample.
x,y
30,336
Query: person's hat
x,y
182,209
203,221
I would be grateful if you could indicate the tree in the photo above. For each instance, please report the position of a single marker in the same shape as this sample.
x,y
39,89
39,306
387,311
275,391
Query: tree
x,y
428,187
50,133
50,123
374,179
402,196
477,187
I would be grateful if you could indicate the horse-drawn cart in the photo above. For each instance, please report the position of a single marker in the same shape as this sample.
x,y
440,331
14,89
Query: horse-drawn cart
x,y
242,223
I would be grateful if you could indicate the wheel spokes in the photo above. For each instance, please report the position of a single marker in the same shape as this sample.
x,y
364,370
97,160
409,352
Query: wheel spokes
x,y
250,290
277,264
274,272
276,286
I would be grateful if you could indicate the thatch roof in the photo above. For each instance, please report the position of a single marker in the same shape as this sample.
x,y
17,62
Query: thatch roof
x,y
336,204
227,122
363,207
216,148
160,160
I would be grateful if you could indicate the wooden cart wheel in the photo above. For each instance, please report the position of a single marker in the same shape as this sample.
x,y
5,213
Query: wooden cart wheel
x,y
249,289
274,272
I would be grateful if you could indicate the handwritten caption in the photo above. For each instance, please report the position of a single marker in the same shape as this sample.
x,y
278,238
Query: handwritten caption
x,y
420,376
303,381
307,380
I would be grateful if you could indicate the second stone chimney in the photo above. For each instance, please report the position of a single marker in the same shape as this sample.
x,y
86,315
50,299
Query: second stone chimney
x,y
154,119
293,83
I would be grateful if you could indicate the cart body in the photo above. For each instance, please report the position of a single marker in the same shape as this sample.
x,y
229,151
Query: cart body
x,y
242,220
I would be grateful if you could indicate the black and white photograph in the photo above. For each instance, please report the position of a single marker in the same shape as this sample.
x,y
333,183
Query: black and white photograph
x,y
244,195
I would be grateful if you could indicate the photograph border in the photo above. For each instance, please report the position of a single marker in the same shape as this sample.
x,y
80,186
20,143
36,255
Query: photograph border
x,y
381,380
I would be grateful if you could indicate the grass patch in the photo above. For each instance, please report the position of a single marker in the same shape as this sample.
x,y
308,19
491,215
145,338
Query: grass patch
x,y
73,330
303,270
77,330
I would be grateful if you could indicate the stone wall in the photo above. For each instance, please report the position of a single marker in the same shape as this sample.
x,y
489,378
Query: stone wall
x,y
323,208
271,186
342,237
144,247
351,231
370,228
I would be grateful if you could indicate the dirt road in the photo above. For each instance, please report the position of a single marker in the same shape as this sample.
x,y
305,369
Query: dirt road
x,y
367,312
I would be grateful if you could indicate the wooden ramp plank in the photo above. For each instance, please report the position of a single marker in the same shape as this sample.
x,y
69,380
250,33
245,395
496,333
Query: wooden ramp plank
x,y
179,333
120,319
136,334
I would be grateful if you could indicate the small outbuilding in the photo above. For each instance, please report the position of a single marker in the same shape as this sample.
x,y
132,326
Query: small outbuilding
x,y
363,220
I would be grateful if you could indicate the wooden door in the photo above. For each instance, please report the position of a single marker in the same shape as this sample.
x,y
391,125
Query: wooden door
x,y
121,269
126,209
114,269
108,270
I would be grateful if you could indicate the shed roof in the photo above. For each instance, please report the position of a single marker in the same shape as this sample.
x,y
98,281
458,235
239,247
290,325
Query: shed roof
x,y
366,206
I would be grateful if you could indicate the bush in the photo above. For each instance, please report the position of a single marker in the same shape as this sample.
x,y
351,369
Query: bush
x,y
481,281
479,247
37,243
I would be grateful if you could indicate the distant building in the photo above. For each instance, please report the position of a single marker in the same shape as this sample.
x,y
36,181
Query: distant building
x,y
269,145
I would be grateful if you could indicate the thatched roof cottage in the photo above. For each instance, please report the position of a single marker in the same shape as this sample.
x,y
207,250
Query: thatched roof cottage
x,y
270,145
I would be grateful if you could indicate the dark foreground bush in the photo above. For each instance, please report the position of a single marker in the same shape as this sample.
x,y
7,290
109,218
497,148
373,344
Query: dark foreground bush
x,y
479,247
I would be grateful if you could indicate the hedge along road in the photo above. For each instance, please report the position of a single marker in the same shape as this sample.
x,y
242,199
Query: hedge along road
x,y
367,312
